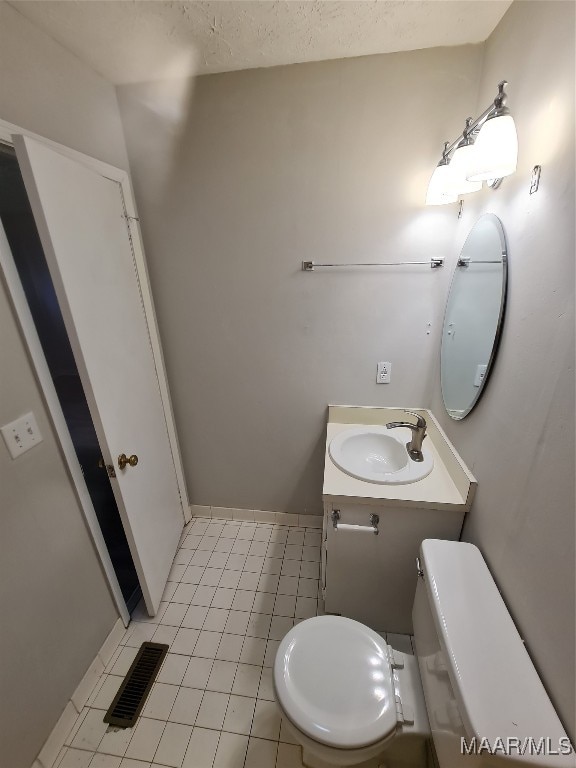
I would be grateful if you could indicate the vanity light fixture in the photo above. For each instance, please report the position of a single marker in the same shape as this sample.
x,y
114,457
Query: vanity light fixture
x,y
487,150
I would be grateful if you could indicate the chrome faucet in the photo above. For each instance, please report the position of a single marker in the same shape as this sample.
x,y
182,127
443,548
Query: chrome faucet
x,y
414,447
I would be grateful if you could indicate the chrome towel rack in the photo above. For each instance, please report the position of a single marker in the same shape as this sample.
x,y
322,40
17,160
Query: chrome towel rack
x,y
310,266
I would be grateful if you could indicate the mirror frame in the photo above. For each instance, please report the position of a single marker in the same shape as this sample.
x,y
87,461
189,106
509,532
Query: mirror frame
x,y
500,322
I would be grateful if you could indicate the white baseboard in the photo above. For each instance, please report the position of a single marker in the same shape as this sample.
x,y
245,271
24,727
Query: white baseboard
x,y
259,516
55,742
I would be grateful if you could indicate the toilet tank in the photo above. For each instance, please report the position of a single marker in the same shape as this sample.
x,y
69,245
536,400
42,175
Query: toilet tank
x,y
486,704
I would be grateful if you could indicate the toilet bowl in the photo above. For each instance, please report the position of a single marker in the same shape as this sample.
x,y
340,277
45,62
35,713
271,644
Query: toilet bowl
x,y
346,695
350,699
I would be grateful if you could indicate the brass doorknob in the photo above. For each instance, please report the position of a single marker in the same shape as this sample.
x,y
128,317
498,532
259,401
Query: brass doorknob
x,y
123,460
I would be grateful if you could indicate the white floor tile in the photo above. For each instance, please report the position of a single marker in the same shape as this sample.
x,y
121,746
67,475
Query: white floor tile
x,y
307,588
203,596
230,579
239,715
174,614
104,694
122,662
127,762
222,676
231,751
285,733
200,558
195,616
91,731
295,536
224,545
253,651
263,602
272,565
240,547
261,753
176,572
212,710
275,549
223,598
201,748
186,706
312,538
271,650
258,625
279,626
115,742
243,600
267,582
160,701
235,562
185,641
211,577
285,605
258,548
266,687
207,644
266,722
163,634
183,557
144,742
309,570
311,553
248,581
194,572
215,620
207,543
288,585
237,622
137,633
197,673
173,669
75,758
106,761
230,647
173,745
184,593
290,567
247,680
289,756
218,560
305,607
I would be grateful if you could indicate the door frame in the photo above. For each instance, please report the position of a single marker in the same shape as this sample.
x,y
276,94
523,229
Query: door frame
x,y
24,316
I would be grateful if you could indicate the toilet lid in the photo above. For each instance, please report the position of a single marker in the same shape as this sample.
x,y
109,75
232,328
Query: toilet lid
x,y
333,679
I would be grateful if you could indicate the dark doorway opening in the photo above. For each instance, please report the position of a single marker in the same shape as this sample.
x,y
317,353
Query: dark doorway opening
x,y
20,228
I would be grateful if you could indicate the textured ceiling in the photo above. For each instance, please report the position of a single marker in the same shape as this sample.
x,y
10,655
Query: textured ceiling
x,y
130,41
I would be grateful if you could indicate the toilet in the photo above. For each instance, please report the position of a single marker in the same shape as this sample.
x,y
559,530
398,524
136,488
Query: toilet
x,y
349,699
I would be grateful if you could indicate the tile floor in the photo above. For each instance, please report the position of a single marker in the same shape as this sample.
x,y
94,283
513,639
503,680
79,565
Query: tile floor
x,y
235,589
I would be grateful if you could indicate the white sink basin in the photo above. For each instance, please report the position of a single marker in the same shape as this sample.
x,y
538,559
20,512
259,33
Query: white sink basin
x,y
378,455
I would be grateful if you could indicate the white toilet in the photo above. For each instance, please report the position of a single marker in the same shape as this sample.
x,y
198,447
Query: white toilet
x,y
350,699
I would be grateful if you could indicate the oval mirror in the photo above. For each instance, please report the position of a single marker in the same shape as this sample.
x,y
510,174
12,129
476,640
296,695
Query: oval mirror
x,y
474,316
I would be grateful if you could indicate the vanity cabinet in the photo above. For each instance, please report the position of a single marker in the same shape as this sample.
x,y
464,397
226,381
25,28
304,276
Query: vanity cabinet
x,y
372,577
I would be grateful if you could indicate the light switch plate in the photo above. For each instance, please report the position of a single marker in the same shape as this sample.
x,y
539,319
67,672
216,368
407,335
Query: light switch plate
x,y
21,435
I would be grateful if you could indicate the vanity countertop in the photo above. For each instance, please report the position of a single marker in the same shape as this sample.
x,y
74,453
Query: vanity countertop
x,y
450,485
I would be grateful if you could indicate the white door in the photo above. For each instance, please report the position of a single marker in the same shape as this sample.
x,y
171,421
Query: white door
x,y
80,218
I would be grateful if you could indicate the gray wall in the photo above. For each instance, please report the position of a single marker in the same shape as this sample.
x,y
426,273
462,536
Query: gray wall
x,y
254,172
55,605
519,442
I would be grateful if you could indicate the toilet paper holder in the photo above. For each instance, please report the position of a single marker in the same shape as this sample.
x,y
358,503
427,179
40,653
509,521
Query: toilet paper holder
x,y
373,527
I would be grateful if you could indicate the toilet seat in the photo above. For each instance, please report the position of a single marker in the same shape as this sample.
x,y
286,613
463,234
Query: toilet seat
x,y
333,680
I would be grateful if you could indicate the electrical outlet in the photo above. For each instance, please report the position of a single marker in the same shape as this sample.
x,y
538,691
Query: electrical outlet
x,y
383,371
21,435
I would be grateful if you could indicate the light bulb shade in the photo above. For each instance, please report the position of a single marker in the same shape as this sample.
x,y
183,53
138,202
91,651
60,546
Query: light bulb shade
x,y
495,150
462,160
440,187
